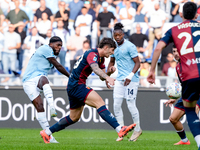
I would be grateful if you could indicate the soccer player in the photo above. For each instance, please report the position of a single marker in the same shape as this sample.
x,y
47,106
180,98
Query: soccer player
x,y
35,79
186,39
127,82
79,94
179,110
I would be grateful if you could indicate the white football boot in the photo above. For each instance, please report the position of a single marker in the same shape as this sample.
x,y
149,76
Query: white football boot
x,y
53,112
53,140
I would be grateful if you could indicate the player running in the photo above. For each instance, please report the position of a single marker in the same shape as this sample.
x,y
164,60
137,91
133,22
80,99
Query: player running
x,y
127,82
35,79
79,94
179,110
186,39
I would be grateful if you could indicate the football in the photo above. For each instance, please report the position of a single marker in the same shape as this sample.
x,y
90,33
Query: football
x,y
173,90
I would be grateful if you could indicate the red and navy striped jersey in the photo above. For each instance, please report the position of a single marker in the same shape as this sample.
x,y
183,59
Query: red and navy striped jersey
x,y
186,37
82,68
178,71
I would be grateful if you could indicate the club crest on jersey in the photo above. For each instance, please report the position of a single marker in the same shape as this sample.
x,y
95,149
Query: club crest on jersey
x,y
95,58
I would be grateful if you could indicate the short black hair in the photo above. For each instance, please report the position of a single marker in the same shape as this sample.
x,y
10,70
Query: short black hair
x,y
189,10
107,41
118,26
55,39
84,7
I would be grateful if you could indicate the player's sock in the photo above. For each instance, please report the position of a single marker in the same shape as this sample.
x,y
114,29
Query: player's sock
x,y
197,139
107,116
134,113
61,124
118,110
117,129
48,93
182,135
42,119
193,123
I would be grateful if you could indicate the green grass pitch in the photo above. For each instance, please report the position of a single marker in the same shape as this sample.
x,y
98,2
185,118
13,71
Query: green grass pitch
x,y
29,139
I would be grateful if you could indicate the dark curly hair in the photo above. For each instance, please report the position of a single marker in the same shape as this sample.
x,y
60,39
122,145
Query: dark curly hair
x,y
118,26
107,41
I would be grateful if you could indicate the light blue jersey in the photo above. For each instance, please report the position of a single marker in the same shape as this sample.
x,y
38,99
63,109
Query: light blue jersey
x,y
123,55
38,64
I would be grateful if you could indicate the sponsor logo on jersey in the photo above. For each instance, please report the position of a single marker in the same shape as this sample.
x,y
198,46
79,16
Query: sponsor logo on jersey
x,y
193,61
196,61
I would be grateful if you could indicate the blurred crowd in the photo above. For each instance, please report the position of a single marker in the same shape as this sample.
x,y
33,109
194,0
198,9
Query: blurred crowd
x,y
27,24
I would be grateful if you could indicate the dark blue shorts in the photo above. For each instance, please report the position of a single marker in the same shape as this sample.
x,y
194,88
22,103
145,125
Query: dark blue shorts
x,y
78,95
191,89
179,104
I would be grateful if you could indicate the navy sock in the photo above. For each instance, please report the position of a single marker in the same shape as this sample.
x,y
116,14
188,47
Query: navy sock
x,y
193,121
107,116
182,134
61,124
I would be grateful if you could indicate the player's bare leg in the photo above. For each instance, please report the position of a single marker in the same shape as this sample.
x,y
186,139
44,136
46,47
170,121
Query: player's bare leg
x,y
175,120
197,110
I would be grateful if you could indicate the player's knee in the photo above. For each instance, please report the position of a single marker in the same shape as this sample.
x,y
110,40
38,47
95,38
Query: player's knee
x,y
39,107
43,80
173,120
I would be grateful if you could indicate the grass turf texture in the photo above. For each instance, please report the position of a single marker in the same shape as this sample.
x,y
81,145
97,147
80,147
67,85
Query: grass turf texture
x,y
29,139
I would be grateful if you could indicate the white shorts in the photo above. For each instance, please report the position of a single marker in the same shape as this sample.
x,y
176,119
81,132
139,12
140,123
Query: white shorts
x,y
31,89
127,92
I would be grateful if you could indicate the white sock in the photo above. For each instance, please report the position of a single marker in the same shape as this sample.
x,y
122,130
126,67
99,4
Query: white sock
x,y
184,140
197,139
48,93
134,113
42,119
48,132
118,129
118,110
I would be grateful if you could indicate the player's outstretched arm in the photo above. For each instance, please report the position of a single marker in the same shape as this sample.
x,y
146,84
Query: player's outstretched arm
x,y
111,68
102,79
58,66
170,102
100,73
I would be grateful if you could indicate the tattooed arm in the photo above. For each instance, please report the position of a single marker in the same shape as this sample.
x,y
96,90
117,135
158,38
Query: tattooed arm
x,y
104,70
102,74
98,71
